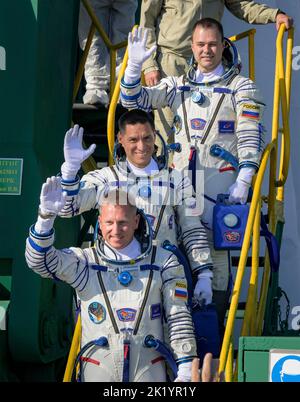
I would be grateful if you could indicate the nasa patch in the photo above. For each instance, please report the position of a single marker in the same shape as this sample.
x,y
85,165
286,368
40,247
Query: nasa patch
x,y
155,311
226,126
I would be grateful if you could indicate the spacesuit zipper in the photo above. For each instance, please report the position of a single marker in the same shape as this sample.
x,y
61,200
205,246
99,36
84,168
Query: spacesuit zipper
x,y
185,118
212,120
136,328
109,309
161,212
114,173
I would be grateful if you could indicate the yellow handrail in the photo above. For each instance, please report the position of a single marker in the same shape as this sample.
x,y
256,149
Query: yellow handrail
x,y
73,351
112,108
254,314
107,42
250,310
250,34
282,81
80,70
285,154
95,25
243,257
90,164
112,111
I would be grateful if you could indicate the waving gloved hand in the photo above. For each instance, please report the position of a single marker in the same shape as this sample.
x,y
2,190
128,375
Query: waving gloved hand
x,y
238,191
74,153
184,372
52,200
137,54
203,288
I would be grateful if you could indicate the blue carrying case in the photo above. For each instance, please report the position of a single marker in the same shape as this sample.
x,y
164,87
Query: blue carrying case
x,y
229,224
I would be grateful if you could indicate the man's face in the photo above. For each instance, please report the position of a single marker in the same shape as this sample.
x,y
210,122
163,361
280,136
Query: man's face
x,y
207,47
118,223
138,142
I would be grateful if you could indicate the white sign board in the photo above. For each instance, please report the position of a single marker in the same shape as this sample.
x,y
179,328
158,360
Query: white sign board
x,y
284,365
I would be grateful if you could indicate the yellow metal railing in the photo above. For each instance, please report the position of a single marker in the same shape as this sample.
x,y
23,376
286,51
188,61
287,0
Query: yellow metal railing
x,y
250,34
90,164
75,346
254,312
95,25
254,210
112,108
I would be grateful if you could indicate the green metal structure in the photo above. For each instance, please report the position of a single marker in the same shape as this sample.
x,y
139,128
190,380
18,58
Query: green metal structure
x,y
40,42
254,351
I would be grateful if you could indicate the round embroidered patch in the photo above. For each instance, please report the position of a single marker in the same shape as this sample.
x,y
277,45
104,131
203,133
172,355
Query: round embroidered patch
x,y
96,312
177,124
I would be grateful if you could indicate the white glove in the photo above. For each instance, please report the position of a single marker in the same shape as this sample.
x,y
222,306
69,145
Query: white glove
x,y
74,153
52,200
184,372
238,191
203,289
137,54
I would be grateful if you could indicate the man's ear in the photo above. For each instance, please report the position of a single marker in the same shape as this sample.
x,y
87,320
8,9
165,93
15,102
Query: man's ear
x,y
119,137
137,221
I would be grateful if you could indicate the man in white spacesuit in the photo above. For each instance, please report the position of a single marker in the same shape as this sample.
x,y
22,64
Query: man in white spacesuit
x,y
117,19
165,195
124,285
218,115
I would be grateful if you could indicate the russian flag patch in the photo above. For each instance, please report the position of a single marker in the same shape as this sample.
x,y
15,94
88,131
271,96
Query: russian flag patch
x,y
251,115
181,290
251,111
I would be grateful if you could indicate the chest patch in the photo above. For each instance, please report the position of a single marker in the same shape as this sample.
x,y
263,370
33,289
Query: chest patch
x,y
226,126
198,124
126,314
155,311
180,291
177,124
96,312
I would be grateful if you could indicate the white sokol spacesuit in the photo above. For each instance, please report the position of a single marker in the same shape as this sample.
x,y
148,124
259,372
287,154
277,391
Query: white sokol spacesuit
x,y
226,112
122,302
166,197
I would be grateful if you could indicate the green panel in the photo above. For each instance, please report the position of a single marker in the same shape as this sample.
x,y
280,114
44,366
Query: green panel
x,y
40,42
256,366
253,363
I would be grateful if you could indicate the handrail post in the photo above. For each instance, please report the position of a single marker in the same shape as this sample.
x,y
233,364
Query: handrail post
x,y
251,55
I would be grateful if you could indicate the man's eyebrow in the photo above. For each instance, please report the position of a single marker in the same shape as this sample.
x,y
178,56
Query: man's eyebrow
x,y
210,42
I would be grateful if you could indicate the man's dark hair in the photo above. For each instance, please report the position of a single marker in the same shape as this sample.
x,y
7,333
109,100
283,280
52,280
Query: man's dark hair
x,y
135,116
208,23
